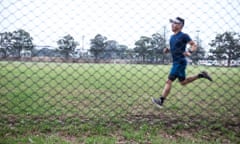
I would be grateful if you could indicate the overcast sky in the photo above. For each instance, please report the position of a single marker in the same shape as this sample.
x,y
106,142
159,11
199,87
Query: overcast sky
x,y
121,20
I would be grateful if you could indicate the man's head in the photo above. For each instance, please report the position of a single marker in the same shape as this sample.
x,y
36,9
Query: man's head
x,y
177,24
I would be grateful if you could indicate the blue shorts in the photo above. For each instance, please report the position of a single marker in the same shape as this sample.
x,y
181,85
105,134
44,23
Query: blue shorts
x,y
178,71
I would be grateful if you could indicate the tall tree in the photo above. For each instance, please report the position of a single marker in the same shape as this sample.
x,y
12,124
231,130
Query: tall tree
x,y
21,40
97,45
67,45
159,43
142,46
110,49
122,51
5,44
226,46
12,43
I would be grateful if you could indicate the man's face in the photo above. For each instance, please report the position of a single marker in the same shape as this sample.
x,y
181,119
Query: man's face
x,y
176,26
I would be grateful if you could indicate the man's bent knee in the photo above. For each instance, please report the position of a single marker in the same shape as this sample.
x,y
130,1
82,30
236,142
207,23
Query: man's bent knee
x,y
169,81
183,83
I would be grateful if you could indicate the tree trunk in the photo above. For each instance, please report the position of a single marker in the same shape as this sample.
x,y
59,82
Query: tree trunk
x,y
228,62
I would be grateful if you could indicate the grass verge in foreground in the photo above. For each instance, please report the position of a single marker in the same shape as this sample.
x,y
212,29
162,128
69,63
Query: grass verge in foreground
x,y
132,130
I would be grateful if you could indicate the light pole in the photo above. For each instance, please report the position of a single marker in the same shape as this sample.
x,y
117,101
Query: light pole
x,y
198,40
83,42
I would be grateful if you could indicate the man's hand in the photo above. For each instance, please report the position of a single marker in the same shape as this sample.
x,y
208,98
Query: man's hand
x,y
166,50
191,50
187,53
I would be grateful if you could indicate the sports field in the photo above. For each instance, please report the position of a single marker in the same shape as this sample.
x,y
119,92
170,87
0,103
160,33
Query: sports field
x,y
72,94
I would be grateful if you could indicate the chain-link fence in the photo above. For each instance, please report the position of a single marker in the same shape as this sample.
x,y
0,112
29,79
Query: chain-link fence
x,y
104,59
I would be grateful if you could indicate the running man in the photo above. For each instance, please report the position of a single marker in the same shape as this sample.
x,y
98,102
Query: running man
x,y
178,42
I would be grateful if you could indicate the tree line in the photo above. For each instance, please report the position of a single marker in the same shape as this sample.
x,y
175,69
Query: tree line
x,y
225,46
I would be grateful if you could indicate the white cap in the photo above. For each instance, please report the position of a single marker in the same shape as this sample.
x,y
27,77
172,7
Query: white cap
x,y
177,20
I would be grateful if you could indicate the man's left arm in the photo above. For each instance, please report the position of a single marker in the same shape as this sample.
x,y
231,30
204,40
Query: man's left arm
x,y
193,48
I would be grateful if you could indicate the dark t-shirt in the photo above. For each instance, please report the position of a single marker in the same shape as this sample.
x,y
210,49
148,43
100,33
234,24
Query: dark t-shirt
x,y
178,44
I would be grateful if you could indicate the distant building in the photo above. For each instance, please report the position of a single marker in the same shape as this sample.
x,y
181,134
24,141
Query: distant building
x,y
80,53
26,53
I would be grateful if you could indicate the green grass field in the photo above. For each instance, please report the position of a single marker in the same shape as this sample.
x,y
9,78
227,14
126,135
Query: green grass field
x,y
90,103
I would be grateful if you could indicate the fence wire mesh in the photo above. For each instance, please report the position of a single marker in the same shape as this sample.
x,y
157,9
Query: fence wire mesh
x,y
104,59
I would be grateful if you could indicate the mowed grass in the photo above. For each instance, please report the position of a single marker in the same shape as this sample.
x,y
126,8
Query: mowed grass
x,y
41,88
111,92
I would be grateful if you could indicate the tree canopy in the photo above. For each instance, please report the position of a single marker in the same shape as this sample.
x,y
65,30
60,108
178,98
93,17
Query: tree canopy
x,y
12,43
67,45
226,46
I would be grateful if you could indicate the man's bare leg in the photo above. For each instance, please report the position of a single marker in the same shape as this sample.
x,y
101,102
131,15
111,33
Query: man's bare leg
x,y
167,88
168,85
166,91
189,80
195,77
